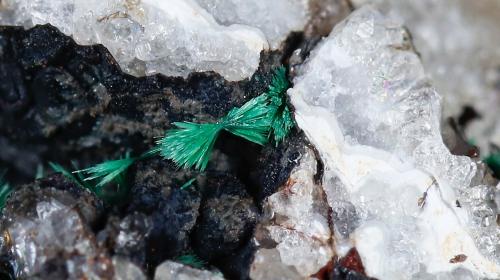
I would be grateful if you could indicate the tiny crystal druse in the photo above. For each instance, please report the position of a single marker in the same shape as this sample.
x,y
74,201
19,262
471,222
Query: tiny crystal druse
x,y
170,36
363,100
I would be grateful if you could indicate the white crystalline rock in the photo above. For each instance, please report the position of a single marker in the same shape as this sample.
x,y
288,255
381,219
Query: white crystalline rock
x,y
126,270
170,270
173,37
56,229
458,41
267,264
274,18
363,100
297,221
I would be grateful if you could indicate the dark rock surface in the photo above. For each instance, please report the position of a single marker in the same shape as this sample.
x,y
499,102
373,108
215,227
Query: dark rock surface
x,y
173,215
63,102
275,164
227,218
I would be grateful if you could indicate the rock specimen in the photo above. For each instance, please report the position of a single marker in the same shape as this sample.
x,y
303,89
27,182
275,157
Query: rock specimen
x,y
169,36
64,102
61,100
396,192
457,41
379,194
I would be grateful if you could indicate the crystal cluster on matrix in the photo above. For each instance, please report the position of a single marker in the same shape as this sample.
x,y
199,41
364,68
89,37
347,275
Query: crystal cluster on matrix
x,y
364,101
170,36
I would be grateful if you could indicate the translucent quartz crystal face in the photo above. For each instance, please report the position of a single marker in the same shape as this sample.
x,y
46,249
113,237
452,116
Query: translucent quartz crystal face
x,y
56,229
172,37
363,100
458,42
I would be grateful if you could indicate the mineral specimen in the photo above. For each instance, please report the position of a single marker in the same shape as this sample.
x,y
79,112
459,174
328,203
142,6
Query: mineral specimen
x,y
379,194
395,190
170,36
59,98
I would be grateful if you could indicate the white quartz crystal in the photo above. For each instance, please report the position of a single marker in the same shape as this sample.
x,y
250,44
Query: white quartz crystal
x,y
396,192
126,270
173,37
57,231
458,41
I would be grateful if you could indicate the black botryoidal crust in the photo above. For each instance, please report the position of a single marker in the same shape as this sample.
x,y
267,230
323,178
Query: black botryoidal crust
x,y
60,102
